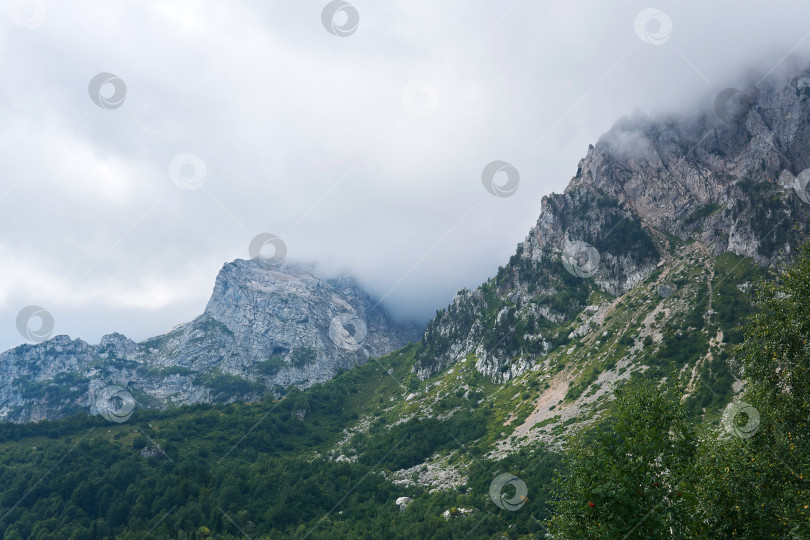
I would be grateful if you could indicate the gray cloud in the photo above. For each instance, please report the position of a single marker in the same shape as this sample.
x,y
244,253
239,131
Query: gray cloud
x,y
317,138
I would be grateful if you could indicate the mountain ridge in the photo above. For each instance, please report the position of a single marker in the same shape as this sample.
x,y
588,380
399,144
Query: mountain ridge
x,y
637,276
264,328
733,182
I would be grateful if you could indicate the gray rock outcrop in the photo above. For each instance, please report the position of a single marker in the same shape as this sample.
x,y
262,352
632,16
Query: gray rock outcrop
x,y
734,179
263,330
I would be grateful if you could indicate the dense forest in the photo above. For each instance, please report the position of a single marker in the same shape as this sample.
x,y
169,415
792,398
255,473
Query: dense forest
x,y
265,470
84,478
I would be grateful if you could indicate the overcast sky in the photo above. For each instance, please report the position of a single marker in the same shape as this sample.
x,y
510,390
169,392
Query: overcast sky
x,y
361,147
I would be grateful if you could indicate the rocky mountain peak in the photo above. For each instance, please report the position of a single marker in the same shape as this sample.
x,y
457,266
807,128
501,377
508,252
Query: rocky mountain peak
x,y
664,169
263,329
733,179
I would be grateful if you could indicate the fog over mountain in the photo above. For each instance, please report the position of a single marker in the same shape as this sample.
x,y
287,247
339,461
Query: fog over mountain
x,y
122,196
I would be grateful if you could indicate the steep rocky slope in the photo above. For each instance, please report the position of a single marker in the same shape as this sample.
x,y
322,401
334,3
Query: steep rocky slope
x,y
262,330
735,181
639,272
638,269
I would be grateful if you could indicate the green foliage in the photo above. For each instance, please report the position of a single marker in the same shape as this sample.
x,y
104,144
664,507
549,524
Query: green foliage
x,y
757,486
270,367
631,478
302,357
678,348
571,295
695,319
621,236
775,356
64,387
139,442
158,342
713,388
265,467
411,442
224,385
211,326
731,304
260,468
702,213
644,473
771,221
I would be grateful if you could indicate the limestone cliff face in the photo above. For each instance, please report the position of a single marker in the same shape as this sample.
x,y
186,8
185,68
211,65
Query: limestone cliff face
x,y
734,179
262,330
666,170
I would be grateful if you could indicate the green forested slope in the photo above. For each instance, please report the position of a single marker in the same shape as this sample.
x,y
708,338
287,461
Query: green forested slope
x,y
331,461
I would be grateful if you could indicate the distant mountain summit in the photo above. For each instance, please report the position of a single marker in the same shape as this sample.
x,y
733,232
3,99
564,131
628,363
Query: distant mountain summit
x,y
734,179
264,329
